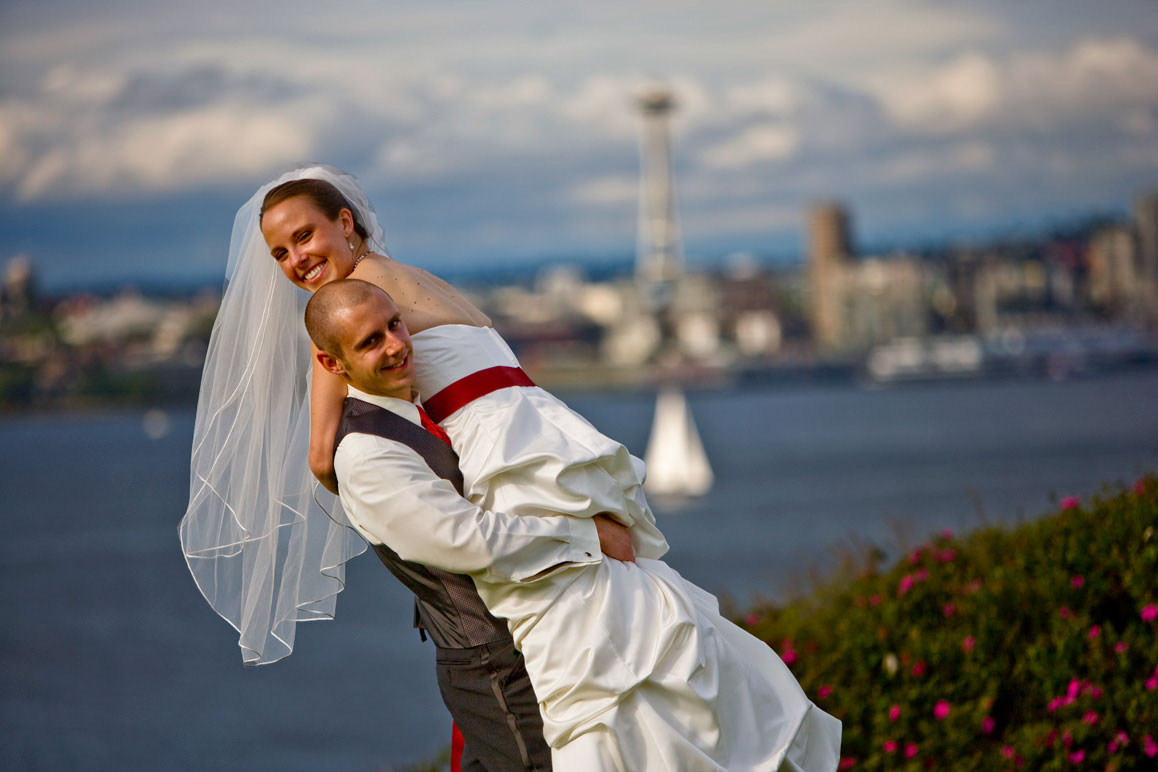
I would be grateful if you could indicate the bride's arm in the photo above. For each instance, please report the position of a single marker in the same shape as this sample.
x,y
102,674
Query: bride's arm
x,y
326,396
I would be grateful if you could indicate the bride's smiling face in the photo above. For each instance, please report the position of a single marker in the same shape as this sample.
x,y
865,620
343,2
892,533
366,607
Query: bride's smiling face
x,y
310,248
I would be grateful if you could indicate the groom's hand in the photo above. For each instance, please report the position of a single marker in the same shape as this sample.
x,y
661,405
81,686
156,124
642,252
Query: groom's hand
x,y
614,539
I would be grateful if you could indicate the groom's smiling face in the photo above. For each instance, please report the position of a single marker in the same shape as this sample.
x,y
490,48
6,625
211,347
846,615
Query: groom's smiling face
x,y
376,357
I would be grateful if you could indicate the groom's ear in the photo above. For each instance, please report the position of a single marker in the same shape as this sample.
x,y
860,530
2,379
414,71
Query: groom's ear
x,y
331,363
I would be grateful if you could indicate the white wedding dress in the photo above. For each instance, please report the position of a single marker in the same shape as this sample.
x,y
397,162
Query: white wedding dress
x,y
634,667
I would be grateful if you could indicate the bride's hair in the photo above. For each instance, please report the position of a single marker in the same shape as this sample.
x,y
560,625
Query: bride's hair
x,y
323,195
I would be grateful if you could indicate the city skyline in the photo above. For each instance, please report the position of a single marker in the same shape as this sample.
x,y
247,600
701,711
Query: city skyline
x,y
503,133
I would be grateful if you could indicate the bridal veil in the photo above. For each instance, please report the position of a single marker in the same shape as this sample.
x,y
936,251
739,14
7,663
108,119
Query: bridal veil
x,y
264,541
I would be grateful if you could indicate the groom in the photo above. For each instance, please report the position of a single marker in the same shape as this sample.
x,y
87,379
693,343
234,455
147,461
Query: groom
x,y
402,490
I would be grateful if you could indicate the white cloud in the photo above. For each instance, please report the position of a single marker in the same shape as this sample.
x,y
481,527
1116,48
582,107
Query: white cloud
x,y
838,37
220,143
778,103
757,144
612,190
1092,80
604,103
775,96
930,164
961,93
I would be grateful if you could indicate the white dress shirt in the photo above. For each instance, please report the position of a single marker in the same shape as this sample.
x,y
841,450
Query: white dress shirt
x,y
392,497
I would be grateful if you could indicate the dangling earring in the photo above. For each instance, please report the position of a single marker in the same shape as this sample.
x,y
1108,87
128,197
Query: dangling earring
x,y
351,246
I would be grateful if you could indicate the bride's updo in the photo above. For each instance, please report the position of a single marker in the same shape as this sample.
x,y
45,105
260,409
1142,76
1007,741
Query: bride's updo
x,y
323,195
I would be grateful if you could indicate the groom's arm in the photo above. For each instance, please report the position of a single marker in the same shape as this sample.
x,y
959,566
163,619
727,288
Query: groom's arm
x,y
392,497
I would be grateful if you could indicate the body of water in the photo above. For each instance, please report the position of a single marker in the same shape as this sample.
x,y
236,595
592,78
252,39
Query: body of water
x,y
111,659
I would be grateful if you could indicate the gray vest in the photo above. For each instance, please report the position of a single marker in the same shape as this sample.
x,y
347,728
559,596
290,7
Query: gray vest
x,y
446,605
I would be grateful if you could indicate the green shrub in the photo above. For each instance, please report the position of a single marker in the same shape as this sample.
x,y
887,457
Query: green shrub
x,y
1032,648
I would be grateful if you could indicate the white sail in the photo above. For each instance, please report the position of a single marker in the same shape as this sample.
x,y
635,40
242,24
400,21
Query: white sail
x,y
676,462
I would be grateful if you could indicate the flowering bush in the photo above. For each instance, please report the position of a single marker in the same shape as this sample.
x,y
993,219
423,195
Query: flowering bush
x,y
1030,648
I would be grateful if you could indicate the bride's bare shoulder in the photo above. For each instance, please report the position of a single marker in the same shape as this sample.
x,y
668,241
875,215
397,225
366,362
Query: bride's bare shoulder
x,y
395,277
424,299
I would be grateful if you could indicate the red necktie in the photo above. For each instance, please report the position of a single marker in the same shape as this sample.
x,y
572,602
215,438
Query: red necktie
x,y
431,426
456,740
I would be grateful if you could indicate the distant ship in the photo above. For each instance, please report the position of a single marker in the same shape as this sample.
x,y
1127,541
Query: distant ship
x,y
677,466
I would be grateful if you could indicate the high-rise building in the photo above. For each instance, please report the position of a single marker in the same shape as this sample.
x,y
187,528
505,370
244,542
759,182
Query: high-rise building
x,y
1111,263
1146,221
829,250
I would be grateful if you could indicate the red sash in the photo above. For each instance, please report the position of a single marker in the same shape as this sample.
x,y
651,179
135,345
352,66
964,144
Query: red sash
x,y
466,390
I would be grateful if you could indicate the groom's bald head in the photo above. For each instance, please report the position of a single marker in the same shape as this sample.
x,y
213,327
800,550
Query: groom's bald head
x,y
362,338
326,311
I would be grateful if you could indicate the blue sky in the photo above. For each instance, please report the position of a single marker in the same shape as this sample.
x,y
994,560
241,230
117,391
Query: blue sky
x,y
491,132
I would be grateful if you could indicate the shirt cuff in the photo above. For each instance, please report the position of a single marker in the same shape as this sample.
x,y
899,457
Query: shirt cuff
x,y
584,540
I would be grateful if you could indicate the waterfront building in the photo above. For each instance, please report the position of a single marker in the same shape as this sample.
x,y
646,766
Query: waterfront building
x,y
1113,282
829,251
1146,222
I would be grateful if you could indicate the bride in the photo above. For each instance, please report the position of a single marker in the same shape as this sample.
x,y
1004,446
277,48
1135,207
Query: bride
x,y
634,667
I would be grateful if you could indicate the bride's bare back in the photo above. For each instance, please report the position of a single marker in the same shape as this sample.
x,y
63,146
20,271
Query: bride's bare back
x,y
424,300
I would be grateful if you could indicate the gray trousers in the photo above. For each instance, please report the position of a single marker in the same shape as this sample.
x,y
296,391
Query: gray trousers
x,y
489,695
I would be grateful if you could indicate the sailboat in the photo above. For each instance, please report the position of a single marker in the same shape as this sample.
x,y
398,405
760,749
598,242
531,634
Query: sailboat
x,y
677,465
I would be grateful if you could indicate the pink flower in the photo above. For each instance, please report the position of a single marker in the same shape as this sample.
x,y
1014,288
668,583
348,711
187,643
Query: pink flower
x,y
1090,718
789,657
947,534
941,710
1071,502
894,712
910,750
905,585
921,574
890,746
1149,747
987,724
1112,746
919,669
1067,738
949,609
1094,692
846,762
1064,611
1054,704
968,643
1120,647
752,618
1140,486
1074,688
1152,683
915,555
1007,751
875,600
1077,756
1149,613
946,556
1077,581
824,691
973,586
1095,631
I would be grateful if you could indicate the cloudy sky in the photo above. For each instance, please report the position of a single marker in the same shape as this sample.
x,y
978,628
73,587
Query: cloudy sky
x,y
497,132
